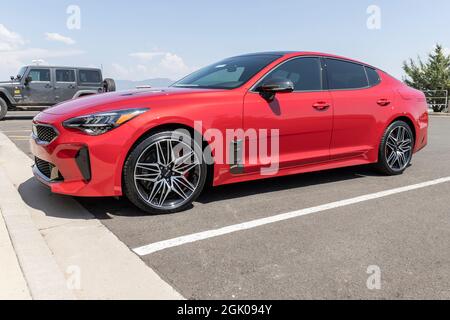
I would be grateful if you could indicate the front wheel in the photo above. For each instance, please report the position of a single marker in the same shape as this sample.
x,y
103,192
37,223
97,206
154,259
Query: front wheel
x,y
396,149
3,108
165,172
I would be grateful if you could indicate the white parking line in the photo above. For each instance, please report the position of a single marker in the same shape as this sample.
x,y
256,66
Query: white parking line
x,y
170,243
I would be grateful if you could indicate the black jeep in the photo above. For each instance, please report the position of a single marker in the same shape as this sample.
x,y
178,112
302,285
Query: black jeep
x,y
44,86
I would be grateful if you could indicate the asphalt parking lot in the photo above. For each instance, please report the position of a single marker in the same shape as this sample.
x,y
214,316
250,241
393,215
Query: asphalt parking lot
x,y
325,254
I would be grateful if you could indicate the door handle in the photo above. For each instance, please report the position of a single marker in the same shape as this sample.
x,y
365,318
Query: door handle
x,y
47,86
321,106
384,102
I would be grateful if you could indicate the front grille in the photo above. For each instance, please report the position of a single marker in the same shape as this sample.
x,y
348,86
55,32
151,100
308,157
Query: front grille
x,y
45,133
48,170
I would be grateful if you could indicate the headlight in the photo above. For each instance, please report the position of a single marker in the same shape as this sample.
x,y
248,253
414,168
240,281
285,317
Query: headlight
x,y
100,123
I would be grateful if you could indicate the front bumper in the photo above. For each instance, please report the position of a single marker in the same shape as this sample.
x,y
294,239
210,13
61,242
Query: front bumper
x,y
78,165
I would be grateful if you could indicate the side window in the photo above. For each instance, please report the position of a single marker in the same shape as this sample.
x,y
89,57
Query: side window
x,y
90,76
305,73
40,75
373,76
63,75
346,75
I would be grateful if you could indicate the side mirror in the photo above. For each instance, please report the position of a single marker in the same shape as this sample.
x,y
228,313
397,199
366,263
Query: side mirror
x,y
269,89
28,80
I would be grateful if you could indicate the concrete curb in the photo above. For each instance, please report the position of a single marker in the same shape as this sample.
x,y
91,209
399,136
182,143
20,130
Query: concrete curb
x,y
49,228
437,114
42,274
12,282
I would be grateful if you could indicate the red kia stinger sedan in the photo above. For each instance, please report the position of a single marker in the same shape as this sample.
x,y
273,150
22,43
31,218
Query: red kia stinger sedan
x,y
307,111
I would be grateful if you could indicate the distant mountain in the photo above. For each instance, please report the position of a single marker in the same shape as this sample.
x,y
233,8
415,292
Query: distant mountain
x,y
129,84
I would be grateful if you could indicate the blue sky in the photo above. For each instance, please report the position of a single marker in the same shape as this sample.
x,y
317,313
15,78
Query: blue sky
x,y
148,39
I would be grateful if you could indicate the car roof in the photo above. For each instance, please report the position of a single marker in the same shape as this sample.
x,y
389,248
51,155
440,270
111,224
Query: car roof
x,y
61,67
289,54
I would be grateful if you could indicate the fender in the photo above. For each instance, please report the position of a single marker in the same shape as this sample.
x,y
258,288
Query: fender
x,y
391,120
140,130
7,95
84,92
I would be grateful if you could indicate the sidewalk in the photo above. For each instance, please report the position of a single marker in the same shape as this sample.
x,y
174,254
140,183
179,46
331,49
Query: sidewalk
x,y
12,282
63,250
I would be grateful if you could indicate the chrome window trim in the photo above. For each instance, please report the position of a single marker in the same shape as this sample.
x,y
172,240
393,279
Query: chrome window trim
x,y
357,63
253,88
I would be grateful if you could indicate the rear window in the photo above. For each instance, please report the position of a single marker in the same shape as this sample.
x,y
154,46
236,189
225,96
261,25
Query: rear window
x,y
346,75
90,76
373,76
65,75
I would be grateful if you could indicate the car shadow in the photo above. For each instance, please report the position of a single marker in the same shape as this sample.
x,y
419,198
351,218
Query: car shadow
x,y
275,184
15,117
108,208
39,197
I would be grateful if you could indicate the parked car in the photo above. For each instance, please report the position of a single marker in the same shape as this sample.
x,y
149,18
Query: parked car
x,y
43,86
329,111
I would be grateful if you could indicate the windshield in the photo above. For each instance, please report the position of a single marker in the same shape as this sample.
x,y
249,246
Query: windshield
x,y
227,74
21,72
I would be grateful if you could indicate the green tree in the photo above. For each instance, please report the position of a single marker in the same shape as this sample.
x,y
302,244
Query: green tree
x,y
434,74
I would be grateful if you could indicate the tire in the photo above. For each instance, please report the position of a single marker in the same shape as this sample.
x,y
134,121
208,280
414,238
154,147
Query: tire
x,y
155,180
109,85
396,149
3,108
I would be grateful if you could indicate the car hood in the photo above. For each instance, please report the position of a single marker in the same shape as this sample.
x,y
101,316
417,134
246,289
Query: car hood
x,y
117,100
3,83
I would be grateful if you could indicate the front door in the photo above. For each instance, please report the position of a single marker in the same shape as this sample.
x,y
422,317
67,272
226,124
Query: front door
x,y
40,90
304,117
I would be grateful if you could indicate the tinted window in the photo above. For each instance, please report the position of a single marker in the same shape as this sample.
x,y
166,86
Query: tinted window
x,y
90,76
373,76
65,75
40,74
346,75
227,74
305,74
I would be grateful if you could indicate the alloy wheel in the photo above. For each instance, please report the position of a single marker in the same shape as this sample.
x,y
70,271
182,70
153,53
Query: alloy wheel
x,y
167,173
398,150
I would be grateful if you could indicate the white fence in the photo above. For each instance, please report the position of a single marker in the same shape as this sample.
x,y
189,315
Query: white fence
x,y
437,100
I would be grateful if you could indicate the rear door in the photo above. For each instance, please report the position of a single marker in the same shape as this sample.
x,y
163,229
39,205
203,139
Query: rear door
x,y
359,102
65,84
40,91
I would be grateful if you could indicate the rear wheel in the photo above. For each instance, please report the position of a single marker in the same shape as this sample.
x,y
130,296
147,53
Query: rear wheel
x,y
396,149
3,108
165,172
